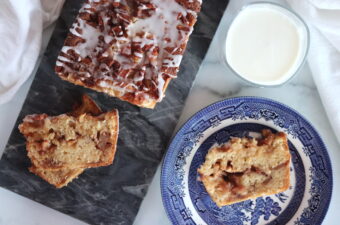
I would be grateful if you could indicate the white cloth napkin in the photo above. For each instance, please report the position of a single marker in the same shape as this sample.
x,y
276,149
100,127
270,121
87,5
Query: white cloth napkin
x,y
21,26
323,19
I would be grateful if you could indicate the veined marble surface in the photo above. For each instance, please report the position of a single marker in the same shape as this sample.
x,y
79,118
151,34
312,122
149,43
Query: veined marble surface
x,y
214,82
111,194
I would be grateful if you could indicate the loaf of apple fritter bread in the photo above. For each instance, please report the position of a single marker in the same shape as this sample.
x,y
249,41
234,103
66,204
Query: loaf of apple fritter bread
x,y
246,168
61,147
129,49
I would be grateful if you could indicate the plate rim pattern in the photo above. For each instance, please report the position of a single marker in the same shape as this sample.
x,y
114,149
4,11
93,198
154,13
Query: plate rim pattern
x,y
216,105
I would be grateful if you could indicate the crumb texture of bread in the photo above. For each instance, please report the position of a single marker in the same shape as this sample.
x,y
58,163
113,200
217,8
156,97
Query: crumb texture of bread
x,y
62,147
67,141
129,49
246,168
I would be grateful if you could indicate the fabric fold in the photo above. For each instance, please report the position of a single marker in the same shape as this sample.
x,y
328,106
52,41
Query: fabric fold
x,y
21,26
323,19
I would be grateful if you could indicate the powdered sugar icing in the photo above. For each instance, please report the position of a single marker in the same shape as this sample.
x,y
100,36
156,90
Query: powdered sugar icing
x,y
157,32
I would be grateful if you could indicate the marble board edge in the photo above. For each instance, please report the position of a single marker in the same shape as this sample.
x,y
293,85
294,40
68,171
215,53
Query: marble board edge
x,y
199,41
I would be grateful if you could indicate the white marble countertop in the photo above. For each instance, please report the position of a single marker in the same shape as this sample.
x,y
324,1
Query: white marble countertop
x,y
214,82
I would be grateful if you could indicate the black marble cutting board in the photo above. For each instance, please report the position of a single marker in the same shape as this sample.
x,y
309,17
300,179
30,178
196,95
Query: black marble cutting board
x,y
106,195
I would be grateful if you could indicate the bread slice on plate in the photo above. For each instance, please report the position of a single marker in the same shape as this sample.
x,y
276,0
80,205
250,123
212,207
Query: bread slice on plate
x,y
61,147
246,168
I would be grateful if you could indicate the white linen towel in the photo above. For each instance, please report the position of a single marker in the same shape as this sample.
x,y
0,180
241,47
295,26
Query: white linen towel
x,y
323,19
21,26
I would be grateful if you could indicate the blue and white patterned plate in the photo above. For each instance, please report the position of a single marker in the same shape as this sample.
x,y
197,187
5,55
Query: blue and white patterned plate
x,y
305,202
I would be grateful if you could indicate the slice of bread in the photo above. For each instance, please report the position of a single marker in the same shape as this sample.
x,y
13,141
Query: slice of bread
x,y
66,141
246,168
61,177
39,141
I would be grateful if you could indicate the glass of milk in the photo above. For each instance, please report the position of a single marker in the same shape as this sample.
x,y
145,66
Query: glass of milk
x,y
266,44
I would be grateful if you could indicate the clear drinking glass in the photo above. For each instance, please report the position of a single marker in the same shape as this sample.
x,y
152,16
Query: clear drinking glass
x,y
303,56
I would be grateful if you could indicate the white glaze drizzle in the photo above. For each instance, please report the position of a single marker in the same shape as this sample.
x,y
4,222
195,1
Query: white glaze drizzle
x,y
161,26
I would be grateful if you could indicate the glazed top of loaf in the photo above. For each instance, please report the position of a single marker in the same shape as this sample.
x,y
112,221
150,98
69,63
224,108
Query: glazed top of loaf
x,y
131,46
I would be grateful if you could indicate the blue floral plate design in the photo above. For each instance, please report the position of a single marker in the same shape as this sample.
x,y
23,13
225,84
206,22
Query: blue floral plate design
x,y
305,202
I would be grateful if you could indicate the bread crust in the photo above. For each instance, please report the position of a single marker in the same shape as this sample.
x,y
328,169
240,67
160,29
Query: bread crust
x,y
87,106
59,178
145,103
